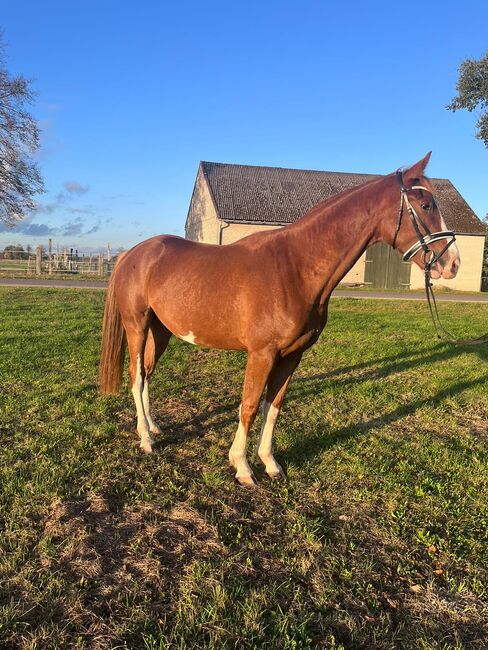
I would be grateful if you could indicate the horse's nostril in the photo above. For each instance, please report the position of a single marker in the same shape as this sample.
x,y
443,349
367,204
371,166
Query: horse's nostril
x,y
454,266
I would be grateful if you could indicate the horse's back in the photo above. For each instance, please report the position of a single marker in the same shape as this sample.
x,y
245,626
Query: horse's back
x,y
155,259
207,292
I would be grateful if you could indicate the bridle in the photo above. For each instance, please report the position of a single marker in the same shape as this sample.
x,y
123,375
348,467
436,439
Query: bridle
x,y
430,257
425,238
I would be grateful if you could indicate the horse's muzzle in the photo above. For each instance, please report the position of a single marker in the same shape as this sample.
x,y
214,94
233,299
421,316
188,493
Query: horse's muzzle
x,y
448,271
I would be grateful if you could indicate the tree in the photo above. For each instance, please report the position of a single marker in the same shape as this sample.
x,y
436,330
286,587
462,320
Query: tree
x,y
13,252
20,179
472,88
484,272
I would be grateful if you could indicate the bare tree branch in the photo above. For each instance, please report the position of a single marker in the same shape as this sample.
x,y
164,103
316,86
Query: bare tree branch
x,y
20,179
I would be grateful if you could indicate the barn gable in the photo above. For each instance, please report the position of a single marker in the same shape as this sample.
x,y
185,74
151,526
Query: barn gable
x,y
202,221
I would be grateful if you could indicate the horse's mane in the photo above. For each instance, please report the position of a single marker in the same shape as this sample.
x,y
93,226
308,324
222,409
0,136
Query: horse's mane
x,y
337,198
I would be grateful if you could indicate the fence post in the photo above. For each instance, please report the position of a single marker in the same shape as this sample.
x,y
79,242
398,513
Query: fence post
x,y
100,264
50,257
38,260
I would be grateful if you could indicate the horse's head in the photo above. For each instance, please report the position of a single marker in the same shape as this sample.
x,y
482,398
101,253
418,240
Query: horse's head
x,y
421,234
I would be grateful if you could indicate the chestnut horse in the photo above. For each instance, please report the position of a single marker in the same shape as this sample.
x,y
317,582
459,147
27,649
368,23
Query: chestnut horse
x,y
267,294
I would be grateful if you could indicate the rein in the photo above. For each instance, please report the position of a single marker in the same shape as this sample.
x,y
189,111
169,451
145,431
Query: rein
x,y
430,257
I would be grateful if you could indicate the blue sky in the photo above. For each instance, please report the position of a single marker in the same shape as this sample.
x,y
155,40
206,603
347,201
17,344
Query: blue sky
x,y
132,95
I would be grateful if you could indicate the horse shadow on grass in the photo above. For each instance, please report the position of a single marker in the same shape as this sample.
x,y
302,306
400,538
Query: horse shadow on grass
x,y
394,364
308,447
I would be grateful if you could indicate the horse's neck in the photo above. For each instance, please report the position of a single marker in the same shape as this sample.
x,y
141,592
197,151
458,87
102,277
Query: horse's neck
x,y
329,240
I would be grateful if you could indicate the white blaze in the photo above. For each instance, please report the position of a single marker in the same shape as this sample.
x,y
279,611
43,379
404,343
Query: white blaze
x,y
452,252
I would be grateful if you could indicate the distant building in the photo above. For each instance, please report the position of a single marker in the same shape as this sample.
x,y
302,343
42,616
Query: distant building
x,y
232,201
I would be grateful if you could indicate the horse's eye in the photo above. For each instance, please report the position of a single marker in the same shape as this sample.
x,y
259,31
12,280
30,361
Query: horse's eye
x,y
426,206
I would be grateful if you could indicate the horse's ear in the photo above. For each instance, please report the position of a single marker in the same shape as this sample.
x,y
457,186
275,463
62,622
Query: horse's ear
x,y
417,170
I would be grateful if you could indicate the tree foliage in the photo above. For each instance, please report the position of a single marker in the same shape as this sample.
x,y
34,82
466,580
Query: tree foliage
x,y
472,89
20,179
14,252
485,255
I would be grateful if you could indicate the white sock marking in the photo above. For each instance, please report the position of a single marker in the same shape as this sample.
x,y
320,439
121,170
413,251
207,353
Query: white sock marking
x,y
153,427
237,453
264,447
142,423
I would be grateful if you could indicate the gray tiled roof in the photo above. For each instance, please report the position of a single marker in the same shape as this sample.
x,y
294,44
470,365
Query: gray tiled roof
x,y
275,195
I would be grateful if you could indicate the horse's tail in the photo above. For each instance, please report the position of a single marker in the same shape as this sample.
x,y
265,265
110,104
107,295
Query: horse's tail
x,y
113,342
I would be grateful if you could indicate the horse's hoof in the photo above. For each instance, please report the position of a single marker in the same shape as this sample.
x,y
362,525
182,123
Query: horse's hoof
x,y
248,480
147,447
156,429
277,476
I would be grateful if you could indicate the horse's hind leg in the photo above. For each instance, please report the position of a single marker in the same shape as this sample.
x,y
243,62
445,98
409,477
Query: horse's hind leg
x,y
136,331
157,340
278,381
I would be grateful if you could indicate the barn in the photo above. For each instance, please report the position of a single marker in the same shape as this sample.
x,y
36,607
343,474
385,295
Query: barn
x,y
232,201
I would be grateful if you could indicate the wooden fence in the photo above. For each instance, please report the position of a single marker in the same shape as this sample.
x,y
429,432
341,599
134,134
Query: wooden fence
x,y
42,263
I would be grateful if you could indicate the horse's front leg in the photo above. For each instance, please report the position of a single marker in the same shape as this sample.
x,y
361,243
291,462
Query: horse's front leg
x,y
258,367
277,384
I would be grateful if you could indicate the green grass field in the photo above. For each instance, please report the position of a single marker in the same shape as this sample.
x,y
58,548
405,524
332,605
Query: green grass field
x,y
378,539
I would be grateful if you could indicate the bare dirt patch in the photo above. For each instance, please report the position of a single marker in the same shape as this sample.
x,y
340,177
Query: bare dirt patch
x,y
98,540
109,555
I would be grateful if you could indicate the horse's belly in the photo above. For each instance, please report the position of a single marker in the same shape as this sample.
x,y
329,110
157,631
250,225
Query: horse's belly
x,y
208,339
199,326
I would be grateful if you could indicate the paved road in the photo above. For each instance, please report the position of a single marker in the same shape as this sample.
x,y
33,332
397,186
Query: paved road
x,y
56,284
338,293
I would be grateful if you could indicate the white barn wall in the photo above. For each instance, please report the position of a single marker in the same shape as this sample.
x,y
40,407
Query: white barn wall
x,y
356,274
235,231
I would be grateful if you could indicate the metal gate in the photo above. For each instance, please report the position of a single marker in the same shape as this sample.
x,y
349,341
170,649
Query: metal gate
x,y
385,268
